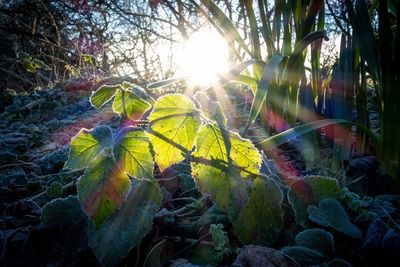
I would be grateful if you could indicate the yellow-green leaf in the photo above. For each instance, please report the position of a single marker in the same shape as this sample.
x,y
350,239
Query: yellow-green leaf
x,y
104,94
87,145
245,156
133,155
102,189
214,171
127,103
173,126
261,219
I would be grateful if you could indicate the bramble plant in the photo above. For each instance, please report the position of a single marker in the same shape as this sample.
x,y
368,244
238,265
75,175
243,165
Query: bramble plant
x,y
119,192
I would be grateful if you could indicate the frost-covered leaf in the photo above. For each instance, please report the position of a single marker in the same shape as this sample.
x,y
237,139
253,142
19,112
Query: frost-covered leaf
x,y
219,236
102,95
330,213
317,239
133,155
309,191
215,172
126,228
64,210
60,238
87,145
211,109
102,189
305,256
54,190
245,156
261,219
173,125
129,104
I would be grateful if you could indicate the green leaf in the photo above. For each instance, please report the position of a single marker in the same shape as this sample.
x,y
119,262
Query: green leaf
x,y
219,236
317,239
40,64
62,235
305,256
104,94
138,90
89,59
245,79
55,189
87,145
309,191
220,19
233,73
127,103
214,170
126,228
64,210
163,83
297,131
245,156
330,213
262,88
261,219
133,155
308,39
102,189
174,122
211,109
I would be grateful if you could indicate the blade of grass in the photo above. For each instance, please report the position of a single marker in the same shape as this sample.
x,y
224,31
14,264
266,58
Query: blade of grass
x,y
234,72
163,83
226,24
262,89
297,131
228,39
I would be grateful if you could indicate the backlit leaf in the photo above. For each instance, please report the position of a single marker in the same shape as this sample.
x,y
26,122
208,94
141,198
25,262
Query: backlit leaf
x,y
220,19
166,82
211,109
87,145
127,103
305,128
132,153
102,95
262,88
261,219
245,156
215,172
173,125
102,189
126,228
309,191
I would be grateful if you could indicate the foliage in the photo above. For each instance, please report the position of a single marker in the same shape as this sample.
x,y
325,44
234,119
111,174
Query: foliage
x,y
263,229
123,231
223,165
314,247
309,191
330,213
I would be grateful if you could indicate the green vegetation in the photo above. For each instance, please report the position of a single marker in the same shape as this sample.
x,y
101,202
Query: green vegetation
x,y
290,157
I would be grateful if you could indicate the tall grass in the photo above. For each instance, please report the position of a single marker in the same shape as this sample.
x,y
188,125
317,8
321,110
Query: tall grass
x,y
277,50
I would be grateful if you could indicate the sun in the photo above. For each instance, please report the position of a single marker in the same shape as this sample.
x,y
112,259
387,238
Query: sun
x,y
203,57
